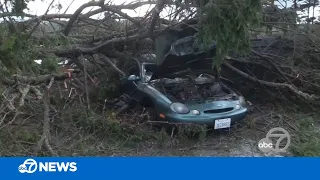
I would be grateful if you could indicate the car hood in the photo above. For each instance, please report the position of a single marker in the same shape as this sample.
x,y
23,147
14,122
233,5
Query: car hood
x,y
184,54
177,51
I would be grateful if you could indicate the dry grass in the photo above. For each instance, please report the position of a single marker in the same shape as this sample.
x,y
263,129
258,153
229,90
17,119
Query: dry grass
x,y
78,132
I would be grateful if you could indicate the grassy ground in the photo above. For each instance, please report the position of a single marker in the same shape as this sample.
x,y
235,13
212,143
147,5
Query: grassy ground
x,y
81,133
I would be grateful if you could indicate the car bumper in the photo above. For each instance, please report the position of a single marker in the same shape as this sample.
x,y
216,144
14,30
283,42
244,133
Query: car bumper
x,y
207,119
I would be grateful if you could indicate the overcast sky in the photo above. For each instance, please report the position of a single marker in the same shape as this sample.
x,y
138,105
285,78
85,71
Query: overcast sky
x,y
39,7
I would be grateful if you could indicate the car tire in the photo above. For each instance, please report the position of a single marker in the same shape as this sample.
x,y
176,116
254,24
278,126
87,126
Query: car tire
x,y
153,118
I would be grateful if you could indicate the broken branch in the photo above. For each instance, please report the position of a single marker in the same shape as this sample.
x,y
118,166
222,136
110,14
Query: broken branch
x,y
274,85
23,93
46,124
108,61
83,60
36,80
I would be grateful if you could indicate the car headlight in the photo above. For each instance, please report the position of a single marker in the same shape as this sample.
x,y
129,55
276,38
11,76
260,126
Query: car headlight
x,y
195,112
242,101
179,108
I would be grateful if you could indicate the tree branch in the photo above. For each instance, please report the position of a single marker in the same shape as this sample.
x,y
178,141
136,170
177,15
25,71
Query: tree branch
x,y
83,60
23,93
36,80
157,9
124,15
77,51
46,123
293,89
78,12
272,64
108,61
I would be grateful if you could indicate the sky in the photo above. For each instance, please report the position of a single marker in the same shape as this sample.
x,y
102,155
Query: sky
x,y
39,7
282,3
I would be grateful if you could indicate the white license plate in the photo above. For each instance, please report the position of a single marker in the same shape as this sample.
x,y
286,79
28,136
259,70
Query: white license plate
x,y
222,123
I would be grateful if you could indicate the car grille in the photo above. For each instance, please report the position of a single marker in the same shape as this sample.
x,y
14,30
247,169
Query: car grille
x,y
218,110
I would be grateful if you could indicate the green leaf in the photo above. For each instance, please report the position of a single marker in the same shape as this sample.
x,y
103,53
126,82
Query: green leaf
x,y
227,22
8,43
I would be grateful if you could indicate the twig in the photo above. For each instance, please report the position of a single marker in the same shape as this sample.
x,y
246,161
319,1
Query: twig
x,y
83,60
23,93
36,91
124,15
12,120
39,21
4,116
10,102
68,7
46,125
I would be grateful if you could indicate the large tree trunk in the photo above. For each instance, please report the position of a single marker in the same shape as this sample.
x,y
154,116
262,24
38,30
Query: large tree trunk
x,y
313,12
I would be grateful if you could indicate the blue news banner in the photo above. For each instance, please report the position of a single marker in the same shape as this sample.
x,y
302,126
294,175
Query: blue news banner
x,y
159,168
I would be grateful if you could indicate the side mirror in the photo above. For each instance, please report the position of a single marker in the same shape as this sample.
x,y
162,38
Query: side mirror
x,y
133,78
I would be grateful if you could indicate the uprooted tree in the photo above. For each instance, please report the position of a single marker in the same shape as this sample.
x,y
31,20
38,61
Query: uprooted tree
x,y
84,56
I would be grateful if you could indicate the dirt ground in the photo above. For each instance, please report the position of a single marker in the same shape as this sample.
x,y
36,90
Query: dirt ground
x,y
241,142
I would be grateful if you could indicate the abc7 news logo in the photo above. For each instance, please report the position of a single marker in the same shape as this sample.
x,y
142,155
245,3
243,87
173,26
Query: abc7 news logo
x,y
266,145
28,166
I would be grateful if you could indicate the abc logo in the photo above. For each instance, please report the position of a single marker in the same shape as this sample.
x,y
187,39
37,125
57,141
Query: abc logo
x,y
265,145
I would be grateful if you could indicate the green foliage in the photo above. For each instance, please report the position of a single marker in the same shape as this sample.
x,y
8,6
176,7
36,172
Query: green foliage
x,y
27,136
49,64
307,141
56,40
16,53
19,50
227,22
19,5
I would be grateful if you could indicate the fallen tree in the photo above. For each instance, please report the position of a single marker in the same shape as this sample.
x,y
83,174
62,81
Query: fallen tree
x,y
100,51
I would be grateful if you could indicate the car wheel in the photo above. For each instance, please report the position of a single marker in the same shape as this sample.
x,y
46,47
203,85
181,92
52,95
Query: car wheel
x,y
152,118
156,123
150,114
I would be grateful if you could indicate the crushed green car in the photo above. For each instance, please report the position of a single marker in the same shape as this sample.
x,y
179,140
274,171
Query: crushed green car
x,y
177,84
